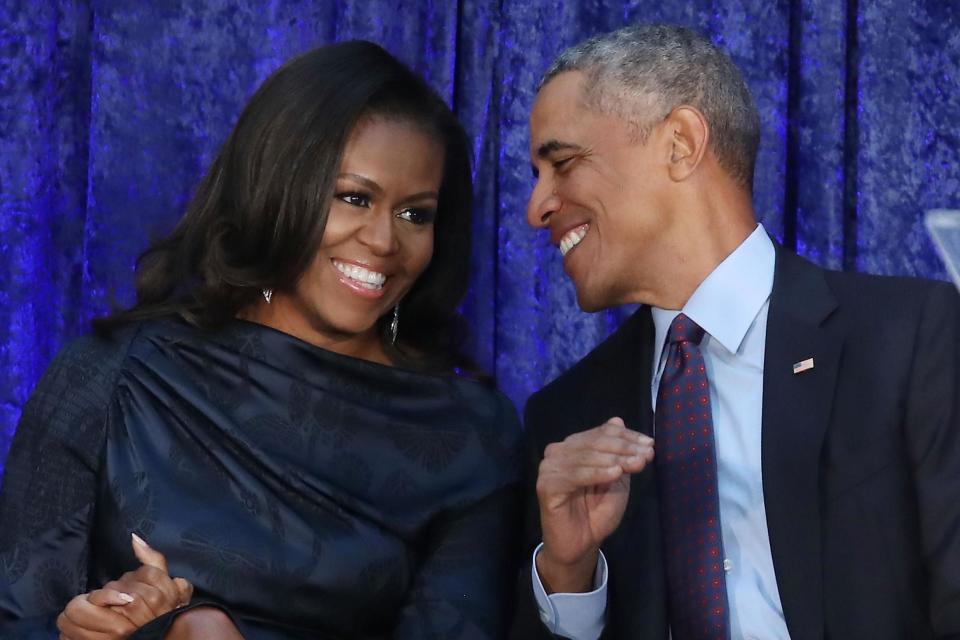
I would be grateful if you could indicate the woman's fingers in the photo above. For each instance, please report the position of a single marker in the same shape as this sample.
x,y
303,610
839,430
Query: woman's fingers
x,y
147,554
83,620
124,605
70,631
152,572
128,603
109,597
149,601
184,589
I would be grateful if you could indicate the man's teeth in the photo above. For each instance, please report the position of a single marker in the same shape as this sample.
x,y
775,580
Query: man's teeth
x,y
573,238
363,277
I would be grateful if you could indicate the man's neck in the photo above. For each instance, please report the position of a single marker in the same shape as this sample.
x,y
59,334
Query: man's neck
x,y
707,242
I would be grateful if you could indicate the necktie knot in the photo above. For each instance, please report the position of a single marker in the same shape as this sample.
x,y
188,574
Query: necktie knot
x,y
683,329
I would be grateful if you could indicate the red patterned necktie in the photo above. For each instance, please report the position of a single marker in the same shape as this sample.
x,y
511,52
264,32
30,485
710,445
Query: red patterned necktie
x,y
686,468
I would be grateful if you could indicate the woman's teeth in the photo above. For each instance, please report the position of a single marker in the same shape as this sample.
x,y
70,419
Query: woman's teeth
x,y
573,238
361,277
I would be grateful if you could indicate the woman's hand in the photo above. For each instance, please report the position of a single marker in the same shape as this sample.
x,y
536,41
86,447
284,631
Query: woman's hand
x,y
123,606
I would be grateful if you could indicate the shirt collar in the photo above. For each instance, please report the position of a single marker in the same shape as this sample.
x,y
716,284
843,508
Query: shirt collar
x,y
729,299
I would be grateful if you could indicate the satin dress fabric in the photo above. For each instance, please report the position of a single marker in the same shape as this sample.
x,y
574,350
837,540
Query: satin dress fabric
x,y
307,493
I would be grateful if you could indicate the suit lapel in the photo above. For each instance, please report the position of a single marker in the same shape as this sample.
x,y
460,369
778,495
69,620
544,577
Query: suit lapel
x,y
796,411
618,382
637,599
639,412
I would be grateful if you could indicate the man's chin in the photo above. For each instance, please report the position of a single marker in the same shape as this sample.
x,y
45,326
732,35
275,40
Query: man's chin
x,y
589,301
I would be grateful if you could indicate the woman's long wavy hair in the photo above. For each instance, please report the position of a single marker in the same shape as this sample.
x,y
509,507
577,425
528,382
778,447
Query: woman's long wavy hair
x,y
257,217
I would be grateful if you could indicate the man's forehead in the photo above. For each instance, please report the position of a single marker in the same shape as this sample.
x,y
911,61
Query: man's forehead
x,y
562,92
556,109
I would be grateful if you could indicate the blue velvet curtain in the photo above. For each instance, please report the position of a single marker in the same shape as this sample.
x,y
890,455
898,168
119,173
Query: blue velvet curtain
x,y
110,111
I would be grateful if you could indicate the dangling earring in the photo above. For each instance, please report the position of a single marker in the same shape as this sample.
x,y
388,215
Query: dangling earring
x,y
267,294
395,324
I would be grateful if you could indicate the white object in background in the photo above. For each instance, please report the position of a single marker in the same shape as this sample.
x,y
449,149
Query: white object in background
x,y
944,227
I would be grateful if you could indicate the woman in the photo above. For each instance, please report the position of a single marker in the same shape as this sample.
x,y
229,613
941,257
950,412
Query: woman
x,y
278,415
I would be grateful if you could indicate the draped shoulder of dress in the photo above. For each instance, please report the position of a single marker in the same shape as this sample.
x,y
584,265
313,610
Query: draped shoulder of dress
x,y
309,494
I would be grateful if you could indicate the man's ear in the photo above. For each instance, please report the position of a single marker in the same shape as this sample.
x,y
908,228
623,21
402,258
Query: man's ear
x,y
689,137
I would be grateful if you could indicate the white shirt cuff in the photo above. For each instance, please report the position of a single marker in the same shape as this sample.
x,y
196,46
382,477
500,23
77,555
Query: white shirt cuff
x,y
578,616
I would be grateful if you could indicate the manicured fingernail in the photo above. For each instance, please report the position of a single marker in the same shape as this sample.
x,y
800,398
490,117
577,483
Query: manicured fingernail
x,y
139,541
126,597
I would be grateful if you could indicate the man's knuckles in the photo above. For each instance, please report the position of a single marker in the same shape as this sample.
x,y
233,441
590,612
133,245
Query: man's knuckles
x,y
612,429
552,450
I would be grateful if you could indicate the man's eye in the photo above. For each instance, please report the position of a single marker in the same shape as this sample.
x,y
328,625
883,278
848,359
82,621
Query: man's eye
x,y
354,199
559,165
417,216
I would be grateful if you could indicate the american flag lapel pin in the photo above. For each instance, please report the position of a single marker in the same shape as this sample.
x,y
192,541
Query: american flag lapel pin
x,y
803,365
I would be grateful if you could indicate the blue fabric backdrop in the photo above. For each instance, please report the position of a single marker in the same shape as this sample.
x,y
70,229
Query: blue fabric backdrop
x,y
110,111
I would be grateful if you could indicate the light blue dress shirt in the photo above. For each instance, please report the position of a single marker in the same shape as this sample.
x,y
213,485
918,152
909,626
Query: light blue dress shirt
x,y
731,306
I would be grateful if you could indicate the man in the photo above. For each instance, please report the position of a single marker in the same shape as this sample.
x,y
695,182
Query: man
x,y
806,480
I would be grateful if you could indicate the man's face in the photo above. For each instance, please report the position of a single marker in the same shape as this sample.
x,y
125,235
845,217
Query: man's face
x,y
602,196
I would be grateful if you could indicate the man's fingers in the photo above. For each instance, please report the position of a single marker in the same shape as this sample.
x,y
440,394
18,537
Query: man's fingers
x,y
573,452
562,482
184,589
606,435
619,445
570,466
637,463
109,597
147,554
592,476
590,458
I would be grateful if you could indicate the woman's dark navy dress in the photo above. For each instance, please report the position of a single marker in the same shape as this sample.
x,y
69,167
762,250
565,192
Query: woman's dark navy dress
x,y
309,494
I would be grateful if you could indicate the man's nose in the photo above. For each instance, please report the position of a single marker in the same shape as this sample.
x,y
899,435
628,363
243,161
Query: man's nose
x,y
543,203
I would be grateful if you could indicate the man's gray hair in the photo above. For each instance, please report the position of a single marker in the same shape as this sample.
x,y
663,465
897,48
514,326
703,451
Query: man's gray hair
x,y
643,72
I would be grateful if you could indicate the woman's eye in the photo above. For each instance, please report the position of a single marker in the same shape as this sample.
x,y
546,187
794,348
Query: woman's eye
x,y
354,199
559,165
417,216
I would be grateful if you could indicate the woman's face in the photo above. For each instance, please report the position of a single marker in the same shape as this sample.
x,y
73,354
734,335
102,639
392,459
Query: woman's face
x,y
377,241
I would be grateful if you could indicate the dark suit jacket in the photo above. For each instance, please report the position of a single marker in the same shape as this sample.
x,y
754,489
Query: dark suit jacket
x,y
860,459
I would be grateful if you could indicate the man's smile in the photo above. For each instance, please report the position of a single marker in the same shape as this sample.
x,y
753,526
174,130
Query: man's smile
x,y
572,238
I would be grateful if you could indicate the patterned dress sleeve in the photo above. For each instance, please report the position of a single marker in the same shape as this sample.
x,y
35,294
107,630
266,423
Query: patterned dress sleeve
x,y
464,588
49,487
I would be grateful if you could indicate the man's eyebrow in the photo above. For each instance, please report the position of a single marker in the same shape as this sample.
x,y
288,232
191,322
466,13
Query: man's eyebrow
x,y
552,146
